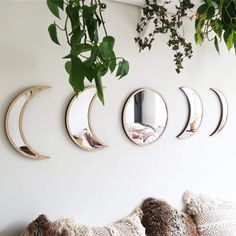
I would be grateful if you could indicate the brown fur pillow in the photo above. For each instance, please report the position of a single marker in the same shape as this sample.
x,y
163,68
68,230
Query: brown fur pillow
x,y
128,226
160,219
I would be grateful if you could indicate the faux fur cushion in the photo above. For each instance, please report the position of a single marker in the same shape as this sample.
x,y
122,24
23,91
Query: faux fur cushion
x,y
129,226
214,217
160,219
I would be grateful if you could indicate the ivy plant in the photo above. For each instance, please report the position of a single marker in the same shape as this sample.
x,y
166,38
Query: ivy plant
x,y
163,23
89,57
216,21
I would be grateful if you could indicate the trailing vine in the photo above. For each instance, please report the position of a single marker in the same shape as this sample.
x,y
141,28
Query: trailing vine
x,y
164,23
89,57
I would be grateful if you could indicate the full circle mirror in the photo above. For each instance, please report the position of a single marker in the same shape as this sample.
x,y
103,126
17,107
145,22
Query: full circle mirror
x,y
144,116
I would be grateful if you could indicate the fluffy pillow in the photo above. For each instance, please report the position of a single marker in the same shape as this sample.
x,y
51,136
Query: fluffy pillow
x,y
160,219
129,226
214,217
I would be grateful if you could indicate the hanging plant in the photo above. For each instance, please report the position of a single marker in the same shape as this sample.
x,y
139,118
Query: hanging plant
x,y
216,19
89,58
163,23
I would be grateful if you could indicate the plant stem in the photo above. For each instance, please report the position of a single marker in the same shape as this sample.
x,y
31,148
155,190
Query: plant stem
x,y
100,13
59,27
65,29
84,25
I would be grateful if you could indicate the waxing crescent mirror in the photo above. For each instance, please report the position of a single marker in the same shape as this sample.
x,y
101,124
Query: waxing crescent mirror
x,y
223,113
78,120
195,113
144,117
14,123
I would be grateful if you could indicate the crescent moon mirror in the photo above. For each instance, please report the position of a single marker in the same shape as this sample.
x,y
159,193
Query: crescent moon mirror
x,y
144,116
14,123
224,111
195,113
78,120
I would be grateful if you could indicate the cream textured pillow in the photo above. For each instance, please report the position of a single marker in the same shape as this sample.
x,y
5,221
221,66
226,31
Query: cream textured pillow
x,y
129,226
213,217
161,219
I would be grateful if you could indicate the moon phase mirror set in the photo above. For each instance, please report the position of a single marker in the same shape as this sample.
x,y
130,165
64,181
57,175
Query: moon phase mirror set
x,y
144,118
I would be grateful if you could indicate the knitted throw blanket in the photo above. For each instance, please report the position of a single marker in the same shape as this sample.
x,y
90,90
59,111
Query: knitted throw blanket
x,y
214,217
129,226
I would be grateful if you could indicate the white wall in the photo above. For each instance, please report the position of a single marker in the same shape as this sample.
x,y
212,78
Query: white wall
x,y
97,188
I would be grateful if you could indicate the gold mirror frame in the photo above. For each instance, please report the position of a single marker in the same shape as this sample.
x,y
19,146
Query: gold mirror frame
x,y
26,150
124,114
88,140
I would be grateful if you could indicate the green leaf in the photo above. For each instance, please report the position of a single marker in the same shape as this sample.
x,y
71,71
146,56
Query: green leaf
x,y
202,11
89,11
90,73
199,38
107,44
112,62
72,12
68,66
123,68
210,12
217,27
77,49
77,36
67,56
53,8
92,59
52,30
76,78
77,2
235,43
199,24
226,18
92,31
59,3
216,44
98,82
209,2
91,22
103,68
229,39
217,2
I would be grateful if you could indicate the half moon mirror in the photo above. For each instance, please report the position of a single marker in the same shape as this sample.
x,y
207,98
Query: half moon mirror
x,y
195,113
78,121
144,116
14,123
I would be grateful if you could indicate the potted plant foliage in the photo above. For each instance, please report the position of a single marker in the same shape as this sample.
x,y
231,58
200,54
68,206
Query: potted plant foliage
x,y
216,21
89,58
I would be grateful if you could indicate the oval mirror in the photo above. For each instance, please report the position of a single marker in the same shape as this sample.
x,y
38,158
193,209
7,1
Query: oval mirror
x,y
144,116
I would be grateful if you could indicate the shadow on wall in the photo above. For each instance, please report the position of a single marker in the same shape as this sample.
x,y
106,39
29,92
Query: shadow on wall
x,y
13,230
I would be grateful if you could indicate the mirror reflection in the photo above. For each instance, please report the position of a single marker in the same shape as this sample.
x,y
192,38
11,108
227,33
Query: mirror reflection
x,y
78,120
195,113
144,116
14,122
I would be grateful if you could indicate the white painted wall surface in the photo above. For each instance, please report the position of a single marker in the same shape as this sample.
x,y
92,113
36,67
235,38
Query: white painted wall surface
x,y
98,188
